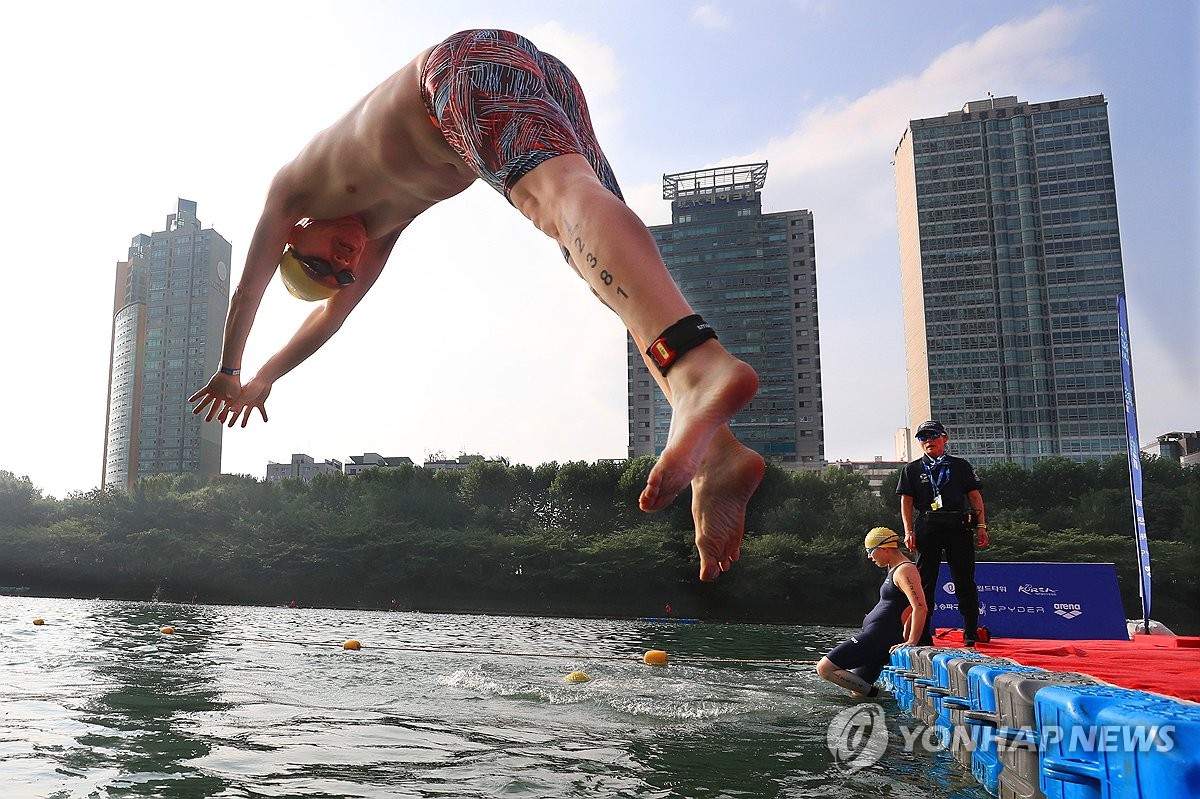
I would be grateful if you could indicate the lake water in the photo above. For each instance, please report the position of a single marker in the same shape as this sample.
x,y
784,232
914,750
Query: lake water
x,y
265,702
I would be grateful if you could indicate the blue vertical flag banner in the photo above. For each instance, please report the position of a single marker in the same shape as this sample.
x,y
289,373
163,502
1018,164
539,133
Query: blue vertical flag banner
x,y
1135,460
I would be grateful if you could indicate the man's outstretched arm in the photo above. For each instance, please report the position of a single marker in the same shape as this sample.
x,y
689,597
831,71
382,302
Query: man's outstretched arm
x,y
320,325
262,259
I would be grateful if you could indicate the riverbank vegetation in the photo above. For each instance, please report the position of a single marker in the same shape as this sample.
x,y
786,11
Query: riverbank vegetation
x,y
564,539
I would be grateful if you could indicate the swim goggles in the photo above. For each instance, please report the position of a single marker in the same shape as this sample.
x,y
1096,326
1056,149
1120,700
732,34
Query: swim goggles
x,y
322,268
894,539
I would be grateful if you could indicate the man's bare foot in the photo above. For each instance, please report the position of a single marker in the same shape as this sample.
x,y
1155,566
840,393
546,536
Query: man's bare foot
x,y
708,386
728,477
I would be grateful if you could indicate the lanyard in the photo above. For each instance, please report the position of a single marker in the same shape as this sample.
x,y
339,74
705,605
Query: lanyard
x,y
943,474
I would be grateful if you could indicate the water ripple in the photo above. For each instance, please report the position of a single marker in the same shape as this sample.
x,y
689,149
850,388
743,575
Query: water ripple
x,y
264,702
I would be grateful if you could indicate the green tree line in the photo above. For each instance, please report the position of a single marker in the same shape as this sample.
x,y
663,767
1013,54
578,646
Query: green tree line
x,y
564,539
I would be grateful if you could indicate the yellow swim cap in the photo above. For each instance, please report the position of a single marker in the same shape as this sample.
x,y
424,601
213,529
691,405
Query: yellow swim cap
x,y
881,537
302,284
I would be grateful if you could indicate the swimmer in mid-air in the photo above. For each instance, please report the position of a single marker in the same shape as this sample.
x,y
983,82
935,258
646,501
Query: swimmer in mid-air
x,y
897,620
488,104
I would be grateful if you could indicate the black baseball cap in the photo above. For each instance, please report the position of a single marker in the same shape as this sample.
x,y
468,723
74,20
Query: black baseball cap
x,y
931,427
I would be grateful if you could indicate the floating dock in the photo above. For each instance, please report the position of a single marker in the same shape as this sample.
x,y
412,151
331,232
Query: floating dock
x,y
667,620
1035,718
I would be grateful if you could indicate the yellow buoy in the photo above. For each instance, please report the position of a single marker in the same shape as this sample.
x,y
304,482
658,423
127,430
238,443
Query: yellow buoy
x,y
576,676
655,657
38,621
352,644
167,631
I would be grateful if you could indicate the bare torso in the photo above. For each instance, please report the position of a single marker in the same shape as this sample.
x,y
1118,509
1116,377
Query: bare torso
x,y
384,161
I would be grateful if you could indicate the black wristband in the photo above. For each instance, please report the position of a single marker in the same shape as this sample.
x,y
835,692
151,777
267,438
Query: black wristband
x,y
686,334
225,370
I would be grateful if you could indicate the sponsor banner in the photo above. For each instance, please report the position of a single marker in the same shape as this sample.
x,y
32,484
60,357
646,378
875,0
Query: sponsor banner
x,y
1068,601
1135,460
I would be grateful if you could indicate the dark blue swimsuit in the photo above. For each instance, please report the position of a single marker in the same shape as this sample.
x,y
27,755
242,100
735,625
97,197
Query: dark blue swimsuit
x,y
867,653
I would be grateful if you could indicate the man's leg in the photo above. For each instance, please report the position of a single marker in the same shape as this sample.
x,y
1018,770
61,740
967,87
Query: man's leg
x,y
960,556
729,472
550,166
929,563
614,252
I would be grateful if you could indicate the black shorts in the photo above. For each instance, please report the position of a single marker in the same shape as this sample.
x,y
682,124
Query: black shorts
x,y
865,655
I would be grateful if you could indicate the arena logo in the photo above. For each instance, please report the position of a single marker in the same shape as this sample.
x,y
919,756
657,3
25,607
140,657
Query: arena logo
x,y
1037,590
1068,610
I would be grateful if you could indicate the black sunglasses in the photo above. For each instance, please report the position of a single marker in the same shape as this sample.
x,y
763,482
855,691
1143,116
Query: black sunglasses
x,y
322,268
929,436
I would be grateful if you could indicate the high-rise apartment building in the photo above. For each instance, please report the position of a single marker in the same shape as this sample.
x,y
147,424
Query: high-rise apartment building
x,y
753,277
1010,259
172,294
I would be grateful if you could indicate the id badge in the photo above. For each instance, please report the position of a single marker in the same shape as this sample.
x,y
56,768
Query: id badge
x,y
937,502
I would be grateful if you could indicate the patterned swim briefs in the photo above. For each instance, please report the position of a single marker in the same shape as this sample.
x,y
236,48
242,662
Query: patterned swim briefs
x,y
505,107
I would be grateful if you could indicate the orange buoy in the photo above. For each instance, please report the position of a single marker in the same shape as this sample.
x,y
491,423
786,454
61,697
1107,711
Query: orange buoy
x,y
167,631
38,621
655,657
352,644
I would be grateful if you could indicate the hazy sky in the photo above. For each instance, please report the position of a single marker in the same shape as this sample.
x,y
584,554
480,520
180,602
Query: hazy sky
x,y
479,338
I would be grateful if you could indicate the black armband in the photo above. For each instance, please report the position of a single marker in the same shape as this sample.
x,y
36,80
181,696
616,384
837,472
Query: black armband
x,y
686,334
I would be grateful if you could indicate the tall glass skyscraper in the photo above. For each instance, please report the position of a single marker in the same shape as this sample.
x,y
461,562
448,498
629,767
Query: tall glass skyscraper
x,y
753,277
1011,265
169,309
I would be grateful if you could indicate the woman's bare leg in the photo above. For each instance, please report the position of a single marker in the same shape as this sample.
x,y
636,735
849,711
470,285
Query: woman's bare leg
x,y
828,670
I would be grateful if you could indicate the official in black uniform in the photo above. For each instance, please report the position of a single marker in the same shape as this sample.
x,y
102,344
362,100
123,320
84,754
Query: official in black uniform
x,y
942,509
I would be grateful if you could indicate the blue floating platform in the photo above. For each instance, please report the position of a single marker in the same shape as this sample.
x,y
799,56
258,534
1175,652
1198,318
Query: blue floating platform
x,y
668,620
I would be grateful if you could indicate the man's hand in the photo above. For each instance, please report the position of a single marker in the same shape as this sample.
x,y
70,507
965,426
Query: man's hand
x,y
981,537
910,541
225,398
